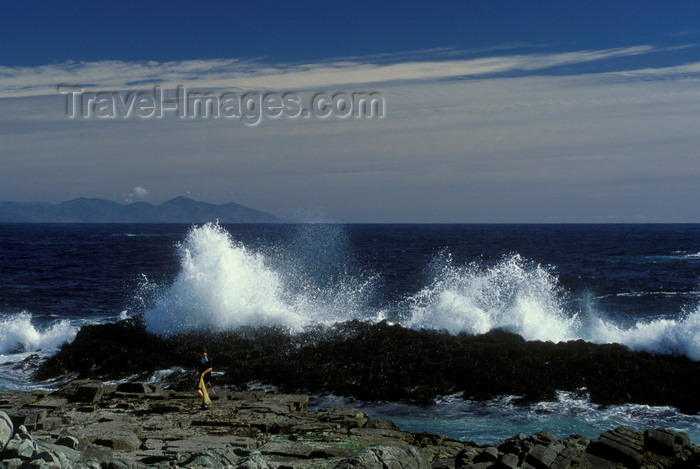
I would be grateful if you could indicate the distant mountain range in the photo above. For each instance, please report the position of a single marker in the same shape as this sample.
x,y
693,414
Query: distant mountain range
x,y
87,210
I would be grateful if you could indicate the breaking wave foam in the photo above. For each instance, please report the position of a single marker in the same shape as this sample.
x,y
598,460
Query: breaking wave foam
x,y
512,295
224,285
527,299
18,333
664,336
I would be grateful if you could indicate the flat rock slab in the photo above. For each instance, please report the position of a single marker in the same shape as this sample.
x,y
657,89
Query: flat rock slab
x,y
365,437
154,428
382,457
120,441
49,402
28,417
198,443
293,449
619,445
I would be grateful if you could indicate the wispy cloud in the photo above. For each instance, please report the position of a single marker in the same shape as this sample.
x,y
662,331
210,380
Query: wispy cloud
x,y
243,74
513,142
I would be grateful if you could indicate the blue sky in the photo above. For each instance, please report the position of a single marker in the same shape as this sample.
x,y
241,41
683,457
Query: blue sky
x,y
277,31
493,111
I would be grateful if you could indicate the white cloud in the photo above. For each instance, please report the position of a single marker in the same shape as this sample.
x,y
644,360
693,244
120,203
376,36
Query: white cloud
x,y
251,75
138,193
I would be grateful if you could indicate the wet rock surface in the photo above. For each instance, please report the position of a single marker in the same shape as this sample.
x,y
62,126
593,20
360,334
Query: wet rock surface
x,y
388,362
88,424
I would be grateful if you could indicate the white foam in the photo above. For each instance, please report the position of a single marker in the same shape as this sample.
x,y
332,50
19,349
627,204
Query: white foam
x,y
223,285
665,336
18,333
513,295
527,299
220,285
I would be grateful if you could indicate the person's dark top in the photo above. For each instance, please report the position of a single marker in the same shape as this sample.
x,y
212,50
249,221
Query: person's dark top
x,y
204,365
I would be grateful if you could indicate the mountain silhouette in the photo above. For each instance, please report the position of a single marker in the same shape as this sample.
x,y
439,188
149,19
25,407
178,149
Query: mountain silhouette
x,y
90,210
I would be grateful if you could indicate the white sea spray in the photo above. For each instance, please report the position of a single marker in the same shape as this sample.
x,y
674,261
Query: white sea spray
x,y
223,285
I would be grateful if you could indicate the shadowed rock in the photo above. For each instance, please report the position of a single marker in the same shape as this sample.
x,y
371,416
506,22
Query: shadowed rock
x,y
389,362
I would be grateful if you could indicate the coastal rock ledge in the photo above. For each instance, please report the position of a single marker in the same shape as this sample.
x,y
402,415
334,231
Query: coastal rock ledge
x,y
89,424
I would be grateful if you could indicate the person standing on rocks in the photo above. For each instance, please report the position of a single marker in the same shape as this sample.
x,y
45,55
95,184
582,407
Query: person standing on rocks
x,y
205,367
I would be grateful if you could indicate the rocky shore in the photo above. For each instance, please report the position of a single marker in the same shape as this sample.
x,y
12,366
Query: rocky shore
x,y
89,424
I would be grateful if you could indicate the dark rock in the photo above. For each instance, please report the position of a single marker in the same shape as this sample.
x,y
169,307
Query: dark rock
x,y
485,465
68,441
509,461
569,456
542,457
30,418
381,457
591,461
576,440
109,351
665,448
664,442
134,388
488,454
465,457
545,438
156,460
388,362
67,392
382,424
89,393
620,445
212,423
519,444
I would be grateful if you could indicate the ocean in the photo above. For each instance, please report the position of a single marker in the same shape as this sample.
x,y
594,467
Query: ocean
x,y
634,284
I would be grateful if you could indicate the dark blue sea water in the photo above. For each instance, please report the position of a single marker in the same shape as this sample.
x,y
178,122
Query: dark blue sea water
x,y
634,284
